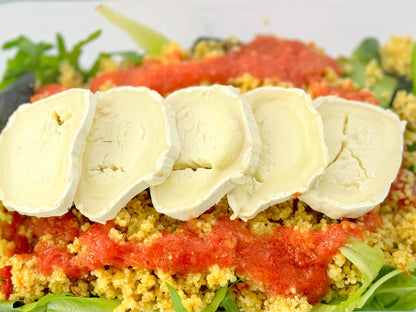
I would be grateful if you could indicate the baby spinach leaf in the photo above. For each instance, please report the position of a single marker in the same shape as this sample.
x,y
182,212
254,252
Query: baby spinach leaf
x,y
368,50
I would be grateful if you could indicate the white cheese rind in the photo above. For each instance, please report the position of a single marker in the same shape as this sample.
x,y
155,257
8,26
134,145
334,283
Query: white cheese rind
x,y
365,144
132,145
293,151
220,149
39,153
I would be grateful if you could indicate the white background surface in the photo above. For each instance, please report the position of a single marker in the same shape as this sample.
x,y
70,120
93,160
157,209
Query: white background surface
x,y
336,25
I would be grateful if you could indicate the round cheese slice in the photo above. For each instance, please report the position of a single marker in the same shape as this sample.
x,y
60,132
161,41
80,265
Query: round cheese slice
x,y
133,144
365,145
220,145
293,151
39,153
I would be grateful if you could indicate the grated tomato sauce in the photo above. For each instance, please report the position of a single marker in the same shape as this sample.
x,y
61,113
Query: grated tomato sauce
x,y
264,57
6,285
283,262
346,90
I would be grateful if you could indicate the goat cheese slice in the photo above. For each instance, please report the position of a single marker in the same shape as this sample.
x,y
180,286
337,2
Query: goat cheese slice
x,y
365,145
133,144
40,150
220,149
293,151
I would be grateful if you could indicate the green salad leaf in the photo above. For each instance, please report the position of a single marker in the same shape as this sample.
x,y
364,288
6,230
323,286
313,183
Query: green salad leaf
x,y
148,39
413,69
393,290
369,261
176,299
368,50
132,56
412,148
31,56
61,303
7,306
40,59
383,287
28,58
220,302
356,65
73,56
229,305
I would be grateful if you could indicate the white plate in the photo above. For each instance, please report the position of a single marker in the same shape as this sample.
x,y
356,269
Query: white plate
x,y
336,25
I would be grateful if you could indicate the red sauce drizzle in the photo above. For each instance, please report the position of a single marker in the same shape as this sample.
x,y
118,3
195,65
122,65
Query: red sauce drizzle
x,y
346,90
48,90
64,228
6,285
10,232
282,261
371,220
264,57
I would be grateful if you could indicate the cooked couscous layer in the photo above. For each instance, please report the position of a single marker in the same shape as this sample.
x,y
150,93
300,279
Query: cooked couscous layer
x,y
145,289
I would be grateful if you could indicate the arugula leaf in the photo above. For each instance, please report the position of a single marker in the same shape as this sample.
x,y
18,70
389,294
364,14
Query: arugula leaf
x,y
61,303
367,51
217,300
61,46
369,261
148,39
35,57
176,299
221,298
73,56
32,56
229,304
27,58
383,287
393,290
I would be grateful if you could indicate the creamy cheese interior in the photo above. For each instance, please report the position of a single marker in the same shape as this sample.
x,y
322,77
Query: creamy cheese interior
x,y
133,144
365,145
195,147
39,151
219,147
292,154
